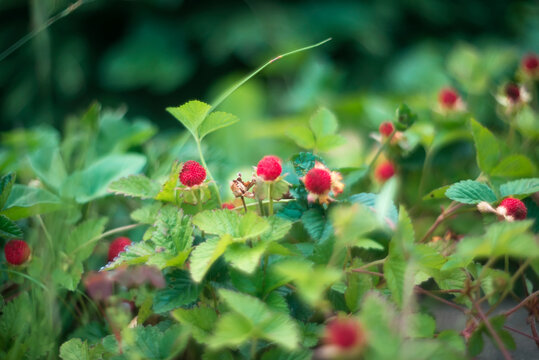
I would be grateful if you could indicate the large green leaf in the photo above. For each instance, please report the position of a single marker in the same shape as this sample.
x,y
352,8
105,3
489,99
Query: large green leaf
x,y
191,115
394,271
25,201
521,188
302,136
92,182
180,291
8,229
371,200
317,224
200,321
152,343
136,186
215,121
514,166
206,254
49,167
239,227
504,238
470,192
487,147
231,330
76,349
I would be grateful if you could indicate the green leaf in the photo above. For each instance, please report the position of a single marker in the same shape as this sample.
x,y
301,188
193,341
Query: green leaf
x,y
150,342
25,201
83,239
239,227
487,147
504,238
146,214
358,286
136,253
200,320
180,291
279,354
215,121
438,193
168,189
206,254
76,349
231,330
6,184
520,188
92,182
323,123
370,200
394,269
8,229
421,326
272,326
470,192
49,167
135,186
317,224
302,136
514,166
329,142
191,115
404,236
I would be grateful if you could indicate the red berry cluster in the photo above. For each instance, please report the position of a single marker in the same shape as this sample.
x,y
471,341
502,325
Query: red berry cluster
x,y
514,208
17,252
117,246
386,128
384,171
192,174
345,334
318,181
530,64
448,98
269,168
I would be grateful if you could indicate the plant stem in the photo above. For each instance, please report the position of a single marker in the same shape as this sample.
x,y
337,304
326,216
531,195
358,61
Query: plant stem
x,y
536,339
441,218
210,176
253,348
46,232
380,149
521,304
440,299
361,271
515,276
373,263
270,204
493,332
105,234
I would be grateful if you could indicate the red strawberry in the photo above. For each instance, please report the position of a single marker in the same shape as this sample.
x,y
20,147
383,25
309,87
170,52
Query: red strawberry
x,y
17,252
530,64
269,168
318,181
228,206
384,171
448,98
192,174
386,128
345,334
117,246
512,91
513,208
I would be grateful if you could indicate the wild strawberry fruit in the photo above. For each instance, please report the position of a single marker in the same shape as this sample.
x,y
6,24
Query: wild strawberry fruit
x,y
192,174
512,91
228,206
384,171
319,181
530,64
17,252
269,168
512,209
386,128
345,334
117,246
448,98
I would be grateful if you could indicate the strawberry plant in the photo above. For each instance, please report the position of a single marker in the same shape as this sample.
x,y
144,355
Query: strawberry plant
x,y
299,258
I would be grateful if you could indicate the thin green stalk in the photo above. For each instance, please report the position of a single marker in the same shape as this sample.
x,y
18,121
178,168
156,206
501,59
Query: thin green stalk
x,y
236,86
46,232
381,149
254,343
270,204
210,176
35,281
105,234
199,199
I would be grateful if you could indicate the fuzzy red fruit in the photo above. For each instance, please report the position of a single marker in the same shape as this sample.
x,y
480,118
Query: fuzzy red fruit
x,y
385,171
386,128
117,246
344,334
228,206
318,181
530,63
192,174
269,168
17,252
512,92
514,207
448,98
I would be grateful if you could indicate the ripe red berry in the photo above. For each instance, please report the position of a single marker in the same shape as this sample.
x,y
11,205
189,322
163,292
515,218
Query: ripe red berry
x,y
344,333
17,252
317,181
512,91
386,128
514,208
117,246
269,168
448,98
192,174
384,171
228,206
530,63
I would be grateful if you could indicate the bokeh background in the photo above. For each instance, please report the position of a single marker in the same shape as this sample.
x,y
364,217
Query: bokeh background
x,y
143,56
